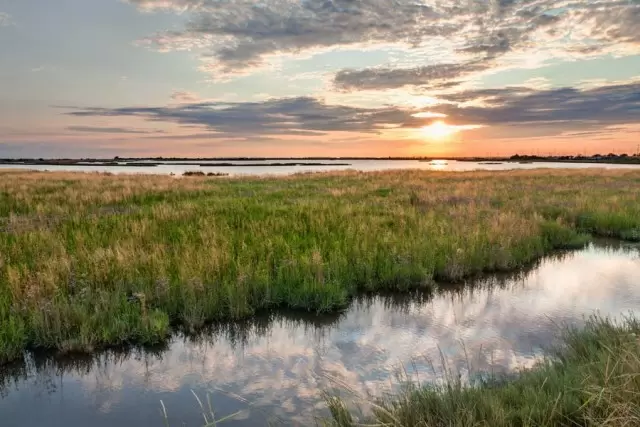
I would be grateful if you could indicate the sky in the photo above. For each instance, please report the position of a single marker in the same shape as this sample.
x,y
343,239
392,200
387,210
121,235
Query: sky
x,y
216,78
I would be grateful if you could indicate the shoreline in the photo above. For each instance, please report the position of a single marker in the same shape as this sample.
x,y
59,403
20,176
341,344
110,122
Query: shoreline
x,y
630,161
137,164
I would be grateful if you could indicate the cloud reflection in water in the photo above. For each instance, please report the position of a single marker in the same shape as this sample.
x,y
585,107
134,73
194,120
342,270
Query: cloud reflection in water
x,y
280,363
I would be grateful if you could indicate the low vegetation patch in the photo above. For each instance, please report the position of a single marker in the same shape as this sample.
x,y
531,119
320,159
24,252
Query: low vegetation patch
x,y
592,380
91,260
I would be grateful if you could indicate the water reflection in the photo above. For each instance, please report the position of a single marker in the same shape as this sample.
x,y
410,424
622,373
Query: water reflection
x,y
280,363
331,165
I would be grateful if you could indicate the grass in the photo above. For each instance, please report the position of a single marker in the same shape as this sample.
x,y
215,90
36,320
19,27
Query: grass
x,y
592,380
92,260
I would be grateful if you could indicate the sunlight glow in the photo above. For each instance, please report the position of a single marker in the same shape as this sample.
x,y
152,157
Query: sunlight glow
x,y
428,115
439,130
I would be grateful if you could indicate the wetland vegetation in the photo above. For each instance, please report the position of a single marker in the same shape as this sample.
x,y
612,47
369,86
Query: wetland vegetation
x,y
92,260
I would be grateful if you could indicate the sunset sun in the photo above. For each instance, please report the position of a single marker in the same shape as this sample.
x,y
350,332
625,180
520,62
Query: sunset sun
x,y
438,130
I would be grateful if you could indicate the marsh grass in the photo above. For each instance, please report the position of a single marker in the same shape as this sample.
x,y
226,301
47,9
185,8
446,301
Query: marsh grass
x,y
91,260
593,379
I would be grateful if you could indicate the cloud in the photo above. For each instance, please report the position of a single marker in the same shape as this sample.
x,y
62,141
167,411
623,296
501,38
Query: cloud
x,y
221,136
45,68
556,110
5,19
606,131
238,35
302,116
184,96
567,108
619,23
96,129
435,76
539,83
172,5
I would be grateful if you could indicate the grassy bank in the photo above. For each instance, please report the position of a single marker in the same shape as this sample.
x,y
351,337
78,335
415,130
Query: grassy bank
x,y
592,380
89,260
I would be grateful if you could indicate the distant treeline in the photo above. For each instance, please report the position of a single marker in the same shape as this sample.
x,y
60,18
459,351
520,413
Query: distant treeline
x,y
596,158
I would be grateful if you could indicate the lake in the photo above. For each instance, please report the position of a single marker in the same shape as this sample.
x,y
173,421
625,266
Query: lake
x,y
331,165
277,365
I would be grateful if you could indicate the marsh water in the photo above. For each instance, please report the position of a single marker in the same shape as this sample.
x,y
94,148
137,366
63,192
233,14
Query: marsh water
x,y
328,165
275,367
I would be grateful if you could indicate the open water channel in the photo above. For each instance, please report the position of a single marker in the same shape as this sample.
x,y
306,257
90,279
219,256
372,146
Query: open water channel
x,y
275,367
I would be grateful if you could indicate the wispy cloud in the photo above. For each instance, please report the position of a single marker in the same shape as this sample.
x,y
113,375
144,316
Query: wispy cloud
x,y
98,129
437,76
185,96
173,5
45,68
5,19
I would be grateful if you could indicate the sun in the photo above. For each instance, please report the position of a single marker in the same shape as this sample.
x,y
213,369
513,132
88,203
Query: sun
x,y
438,130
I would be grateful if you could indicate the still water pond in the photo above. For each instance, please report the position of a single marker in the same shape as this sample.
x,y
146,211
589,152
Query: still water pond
x,y
288,167
281,363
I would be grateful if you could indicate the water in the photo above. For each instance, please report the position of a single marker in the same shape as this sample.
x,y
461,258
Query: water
x,y
279,364
360,165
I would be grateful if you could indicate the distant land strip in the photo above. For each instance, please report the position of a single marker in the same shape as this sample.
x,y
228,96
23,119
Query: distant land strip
x,y
309,161
153,164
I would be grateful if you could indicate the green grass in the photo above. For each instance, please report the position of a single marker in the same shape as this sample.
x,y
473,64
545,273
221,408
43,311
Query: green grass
x,y
592,380
90,260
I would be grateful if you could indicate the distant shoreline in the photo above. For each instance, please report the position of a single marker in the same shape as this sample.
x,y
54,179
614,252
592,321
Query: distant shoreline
x,y
305,161
99,163
623,159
